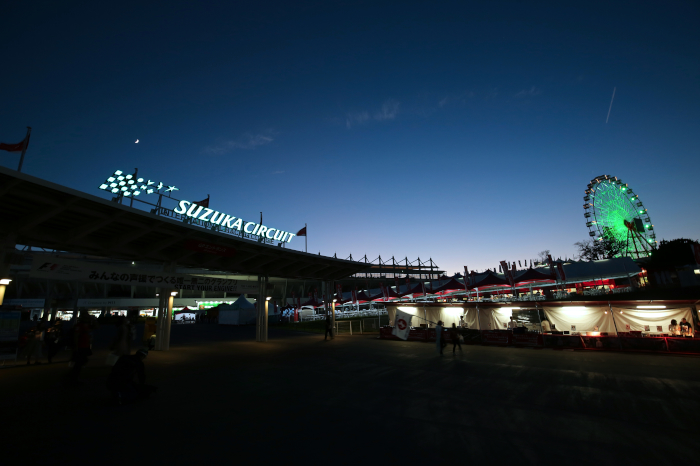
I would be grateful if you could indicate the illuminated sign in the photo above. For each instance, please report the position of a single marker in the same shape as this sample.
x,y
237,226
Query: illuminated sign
x,y
131,185
205,214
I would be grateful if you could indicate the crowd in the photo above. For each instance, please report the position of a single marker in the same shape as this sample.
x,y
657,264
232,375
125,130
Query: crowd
x,y
126,381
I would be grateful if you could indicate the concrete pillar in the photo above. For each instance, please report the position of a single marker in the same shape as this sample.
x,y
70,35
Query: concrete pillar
x,y
166,343
262,310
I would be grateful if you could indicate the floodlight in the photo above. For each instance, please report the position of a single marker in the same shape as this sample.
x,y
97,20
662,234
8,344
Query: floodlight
x,y
173,293
140,180
128,177
120,178
103,186
122,183
111,178
115,190
113,185
136,193
5,281
118,172
651,307
268,298
127,193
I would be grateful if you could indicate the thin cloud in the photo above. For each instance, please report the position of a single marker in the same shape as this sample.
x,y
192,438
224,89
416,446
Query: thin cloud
x,y
247,142
278,172
388,111
533,91
455,99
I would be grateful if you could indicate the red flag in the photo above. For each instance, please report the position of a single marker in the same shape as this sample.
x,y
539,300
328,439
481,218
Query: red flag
x,y
339,287
302,232
204,203
19,147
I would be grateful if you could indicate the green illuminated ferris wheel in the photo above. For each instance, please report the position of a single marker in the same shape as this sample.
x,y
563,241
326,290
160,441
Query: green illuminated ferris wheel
x,y
614,212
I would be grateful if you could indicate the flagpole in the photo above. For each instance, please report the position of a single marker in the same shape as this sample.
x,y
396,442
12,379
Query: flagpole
x,y
24,149
306,240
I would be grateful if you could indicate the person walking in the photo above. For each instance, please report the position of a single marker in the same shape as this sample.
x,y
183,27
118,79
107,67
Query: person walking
x,y
33,347
121,343
329,327
440,342
454,335
52,340
82,347
127,380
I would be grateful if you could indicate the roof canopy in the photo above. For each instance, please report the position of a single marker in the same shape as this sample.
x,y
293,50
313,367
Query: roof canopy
x,y
46,215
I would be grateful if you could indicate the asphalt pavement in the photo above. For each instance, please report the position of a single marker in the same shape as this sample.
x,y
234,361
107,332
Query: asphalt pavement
x,y
225,398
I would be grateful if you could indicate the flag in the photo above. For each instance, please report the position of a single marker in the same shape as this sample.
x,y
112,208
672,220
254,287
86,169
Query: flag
x,y
402,325
507,273
17,148
551,265
354,295
302,232
560,272
339,287
422,284
204,203
520,264
466,277
398,291
408,285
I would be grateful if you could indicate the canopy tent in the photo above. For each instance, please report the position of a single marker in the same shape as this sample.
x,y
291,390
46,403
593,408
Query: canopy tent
x,y
620,267
638,319
451,285
581,318
488,279
239,312
433,314
531,275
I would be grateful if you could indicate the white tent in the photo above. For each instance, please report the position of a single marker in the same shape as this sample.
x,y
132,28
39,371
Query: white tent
x,y
241,312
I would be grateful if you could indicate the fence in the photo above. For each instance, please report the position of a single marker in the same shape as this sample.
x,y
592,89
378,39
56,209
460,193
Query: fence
x,y
348,327
372,325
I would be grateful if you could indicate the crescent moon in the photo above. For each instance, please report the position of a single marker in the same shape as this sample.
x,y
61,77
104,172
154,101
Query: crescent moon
x,y
137,141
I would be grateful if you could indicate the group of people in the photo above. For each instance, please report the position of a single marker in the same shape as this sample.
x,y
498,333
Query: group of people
x,y
126,381
684,329
441,340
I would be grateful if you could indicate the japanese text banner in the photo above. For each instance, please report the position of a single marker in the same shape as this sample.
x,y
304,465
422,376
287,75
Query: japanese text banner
x,y
52,268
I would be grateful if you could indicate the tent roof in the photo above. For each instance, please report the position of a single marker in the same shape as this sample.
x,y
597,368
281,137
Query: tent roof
x,y
488,279
620,267
532,275
451,284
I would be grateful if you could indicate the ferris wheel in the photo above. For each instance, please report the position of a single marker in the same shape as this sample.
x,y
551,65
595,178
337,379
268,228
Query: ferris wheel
x,y
614,212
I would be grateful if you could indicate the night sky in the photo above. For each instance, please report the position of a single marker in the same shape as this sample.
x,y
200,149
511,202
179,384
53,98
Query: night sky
x,y
462,131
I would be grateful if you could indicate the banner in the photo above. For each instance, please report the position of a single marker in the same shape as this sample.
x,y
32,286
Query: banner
x,y
53,268
402,326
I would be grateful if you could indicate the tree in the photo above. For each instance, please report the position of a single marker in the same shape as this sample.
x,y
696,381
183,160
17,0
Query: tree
x,y
602,248
542,255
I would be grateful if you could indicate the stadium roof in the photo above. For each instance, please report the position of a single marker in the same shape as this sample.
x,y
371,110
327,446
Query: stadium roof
x,y
42,214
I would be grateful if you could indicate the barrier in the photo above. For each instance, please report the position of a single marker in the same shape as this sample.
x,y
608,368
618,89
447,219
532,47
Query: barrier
x,y
666,345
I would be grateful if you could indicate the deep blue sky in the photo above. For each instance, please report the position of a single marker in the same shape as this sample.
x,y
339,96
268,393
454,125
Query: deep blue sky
x,y
462,131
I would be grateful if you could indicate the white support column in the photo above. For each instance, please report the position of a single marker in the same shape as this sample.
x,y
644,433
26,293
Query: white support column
x,y
166,342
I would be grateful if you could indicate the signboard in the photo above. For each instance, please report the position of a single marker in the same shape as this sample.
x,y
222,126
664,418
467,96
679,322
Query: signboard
x,y
25,303
61,269
9,334
209,248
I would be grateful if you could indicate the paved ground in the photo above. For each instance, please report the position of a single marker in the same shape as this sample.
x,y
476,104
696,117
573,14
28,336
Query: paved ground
x,y
225,398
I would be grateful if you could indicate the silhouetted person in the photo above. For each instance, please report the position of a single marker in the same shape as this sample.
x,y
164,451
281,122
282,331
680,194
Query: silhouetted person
x,y
127,381
329,327
52,339
82,343
454,335
440,342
